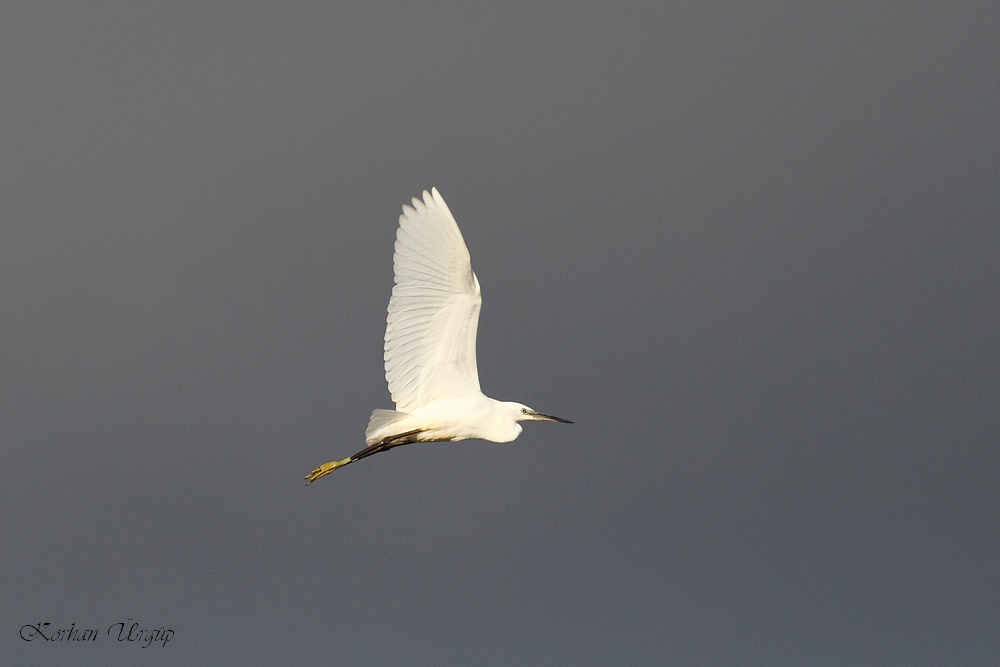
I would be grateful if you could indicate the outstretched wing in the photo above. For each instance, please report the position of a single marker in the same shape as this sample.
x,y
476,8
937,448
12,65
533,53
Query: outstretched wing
x,y
430,335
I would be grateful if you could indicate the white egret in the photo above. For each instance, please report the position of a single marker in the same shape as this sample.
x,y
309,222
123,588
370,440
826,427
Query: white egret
x,y
430,344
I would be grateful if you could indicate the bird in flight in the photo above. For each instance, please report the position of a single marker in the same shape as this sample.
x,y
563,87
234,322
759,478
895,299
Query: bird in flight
x,y
430,344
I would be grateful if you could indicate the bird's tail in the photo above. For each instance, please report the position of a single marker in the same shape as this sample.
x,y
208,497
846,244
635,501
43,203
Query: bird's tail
x,y
382,423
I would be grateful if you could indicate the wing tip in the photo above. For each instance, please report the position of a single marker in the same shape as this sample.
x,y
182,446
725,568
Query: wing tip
x,y
428,199
433,196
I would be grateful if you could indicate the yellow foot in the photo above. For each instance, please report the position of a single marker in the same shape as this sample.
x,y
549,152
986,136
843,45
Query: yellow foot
x,y
324,470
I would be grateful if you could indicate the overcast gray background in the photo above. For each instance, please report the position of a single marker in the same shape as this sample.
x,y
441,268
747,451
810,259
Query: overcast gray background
x,y
750,248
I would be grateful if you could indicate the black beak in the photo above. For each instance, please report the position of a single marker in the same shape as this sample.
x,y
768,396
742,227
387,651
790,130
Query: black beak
x,y
541,417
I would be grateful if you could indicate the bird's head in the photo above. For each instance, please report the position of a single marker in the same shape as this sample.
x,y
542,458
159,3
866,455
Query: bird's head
x,y
524,413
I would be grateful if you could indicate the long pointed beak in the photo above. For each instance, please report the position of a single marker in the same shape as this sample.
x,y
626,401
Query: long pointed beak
x,y
549,418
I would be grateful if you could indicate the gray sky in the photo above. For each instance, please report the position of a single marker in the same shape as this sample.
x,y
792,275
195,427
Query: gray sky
x,y
752,250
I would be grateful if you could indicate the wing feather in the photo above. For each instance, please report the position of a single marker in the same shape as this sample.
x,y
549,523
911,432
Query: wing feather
x,y
430,335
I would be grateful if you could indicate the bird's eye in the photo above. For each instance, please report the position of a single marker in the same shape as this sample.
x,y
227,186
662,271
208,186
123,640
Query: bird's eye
x,y
524,411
